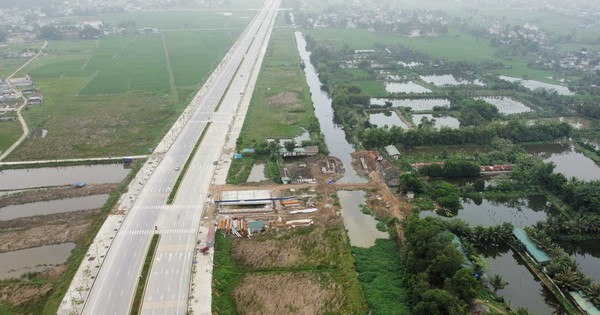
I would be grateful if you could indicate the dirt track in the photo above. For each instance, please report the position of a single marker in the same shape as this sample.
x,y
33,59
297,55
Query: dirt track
x,y
46,194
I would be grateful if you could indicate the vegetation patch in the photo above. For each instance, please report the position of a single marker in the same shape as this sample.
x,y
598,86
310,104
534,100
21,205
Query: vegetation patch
x,y
382,277
287,272
239,170
281,96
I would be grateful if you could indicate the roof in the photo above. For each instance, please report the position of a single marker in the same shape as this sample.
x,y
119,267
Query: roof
x,y
539,255
585,304
456,241
392,150
256,226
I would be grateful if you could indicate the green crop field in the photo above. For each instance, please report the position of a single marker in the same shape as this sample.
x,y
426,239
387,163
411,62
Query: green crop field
x,y
456,46
10,131
118,95
281,96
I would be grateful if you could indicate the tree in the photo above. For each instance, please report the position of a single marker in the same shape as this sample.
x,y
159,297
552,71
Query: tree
x,y
498,283
446,195
50,32
439,302
290,145
463,284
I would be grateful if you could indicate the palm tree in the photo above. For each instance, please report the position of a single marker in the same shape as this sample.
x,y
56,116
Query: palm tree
x,y
523,311
498,283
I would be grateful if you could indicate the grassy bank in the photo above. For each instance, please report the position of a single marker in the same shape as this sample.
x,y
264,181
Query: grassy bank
x,y
281,96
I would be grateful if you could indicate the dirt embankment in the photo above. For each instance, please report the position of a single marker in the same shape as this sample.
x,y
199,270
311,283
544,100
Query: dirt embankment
x,y
46,194
51,229
23,295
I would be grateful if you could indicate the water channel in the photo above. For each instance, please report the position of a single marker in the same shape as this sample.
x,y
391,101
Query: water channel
x,y
335,137
362,228
52,206
58,176
14,264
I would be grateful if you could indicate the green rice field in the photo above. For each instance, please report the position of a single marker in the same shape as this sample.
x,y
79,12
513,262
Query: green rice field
x,y
118,95
457,45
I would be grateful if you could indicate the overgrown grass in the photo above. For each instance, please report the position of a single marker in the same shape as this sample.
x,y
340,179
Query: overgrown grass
x,y
10,131
382,277
313,251
239,170
140,289
281,96
226,276
173,192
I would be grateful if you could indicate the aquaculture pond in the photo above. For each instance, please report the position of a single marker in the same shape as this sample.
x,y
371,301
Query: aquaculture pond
x,y
388,118
58,176
523,289
568,160
533,84
417,104
52,207
407,87
587,255
14,264
521,212
506,105
440,120
449,80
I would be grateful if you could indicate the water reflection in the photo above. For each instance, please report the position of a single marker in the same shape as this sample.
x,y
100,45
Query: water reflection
x,y
14,264
567,159
335,137
521,212
58,176
52,206
523,289
587,255
362,228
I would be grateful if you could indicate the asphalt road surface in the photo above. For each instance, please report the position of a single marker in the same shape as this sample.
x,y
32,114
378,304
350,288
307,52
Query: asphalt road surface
x,y
168,286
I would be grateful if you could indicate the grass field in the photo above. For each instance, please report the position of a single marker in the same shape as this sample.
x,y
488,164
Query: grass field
x,y
456,46
281,96
10,131
269,274
118,95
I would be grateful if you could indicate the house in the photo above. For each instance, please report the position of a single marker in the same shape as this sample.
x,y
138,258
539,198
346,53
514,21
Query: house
x,y
392,151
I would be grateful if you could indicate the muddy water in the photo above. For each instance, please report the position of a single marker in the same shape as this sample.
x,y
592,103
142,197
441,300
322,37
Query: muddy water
x,y
587,255
14,264
335,137
53,206
57,176
362,229
567,159
523,289
520,212
257,173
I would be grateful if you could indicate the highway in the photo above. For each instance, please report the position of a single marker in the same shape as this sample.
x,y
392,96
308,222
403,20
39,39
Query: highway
x,y
168,285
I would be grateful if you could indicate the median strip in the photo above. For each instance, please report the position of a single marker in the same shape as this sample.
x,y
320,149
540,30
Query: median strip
x,y
186,166
228,86
136,307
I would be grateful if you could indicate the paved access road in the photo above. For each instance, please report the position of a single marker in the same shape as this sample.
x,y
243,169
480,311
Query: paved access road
x,y
167,289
